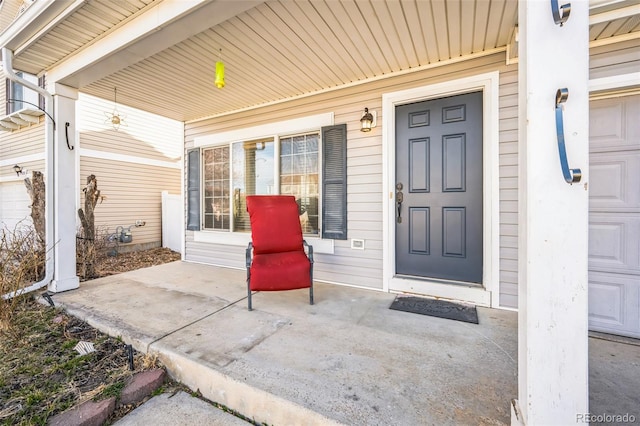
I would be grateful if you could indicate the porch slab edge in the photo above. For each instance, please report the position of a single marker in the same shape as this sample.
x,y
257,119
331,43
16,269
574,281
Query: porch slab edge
x,y
251,402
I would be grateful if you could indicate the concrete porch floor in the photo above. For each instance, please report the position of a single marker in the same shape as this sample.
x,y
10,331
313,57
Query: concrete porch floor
x,y
348,359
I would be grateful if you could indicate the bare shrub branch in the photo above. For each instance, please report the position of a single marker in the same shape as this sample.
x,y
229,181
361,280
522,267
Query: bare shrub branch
x,y
22,262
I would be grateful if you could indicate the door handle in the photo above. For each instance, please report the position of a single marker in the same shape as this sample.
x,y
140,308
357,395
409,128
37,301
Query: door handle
x,y
399,200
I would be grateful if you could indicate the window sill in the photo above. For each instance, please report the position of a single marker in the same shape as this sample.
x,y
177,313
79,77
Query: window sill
x,y
243,239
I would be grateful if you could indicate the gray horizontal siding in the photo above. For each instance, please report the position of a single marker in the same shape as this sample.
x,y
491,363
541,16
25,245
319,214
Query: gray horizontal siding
x,y
614,59
364,268
216,254
508,184
364,159
133,192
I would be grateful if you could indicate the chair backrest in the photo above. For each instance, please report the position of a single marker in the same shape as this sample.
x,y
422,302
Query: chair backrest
x,y
275,223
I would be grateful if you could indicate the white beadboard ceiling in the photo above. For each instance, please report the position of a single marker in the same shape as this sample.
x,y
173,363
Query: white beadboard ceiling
x,y
284,48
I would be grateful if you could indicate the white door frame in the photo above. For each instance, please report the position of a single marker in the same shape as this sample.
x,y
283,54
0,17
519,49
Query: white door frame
x,y
488,294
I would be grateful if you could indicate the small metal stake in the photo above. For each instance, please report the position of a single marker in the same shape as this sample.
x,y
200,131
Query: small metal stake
x,y
129,349
46,296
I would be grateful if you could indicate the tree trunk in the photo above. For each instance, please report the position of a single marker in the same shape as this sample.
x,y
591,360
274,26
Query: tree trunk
x,y
36,191
87,219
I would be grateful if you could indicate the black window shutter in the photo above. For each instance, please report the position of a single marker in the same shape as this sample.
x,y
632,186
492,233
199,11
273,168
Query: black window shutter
x,y
334,182
193,190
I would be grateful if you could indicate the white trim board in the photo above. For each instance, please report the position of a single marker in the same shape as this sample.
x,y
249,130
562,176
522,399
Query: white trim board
x,y
22,159
295,125
242,239
489,294
614,82
104,155
4,179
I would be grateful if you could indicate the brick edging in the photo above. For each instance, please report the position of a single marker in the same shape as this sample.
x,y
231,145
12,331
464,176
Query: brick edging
x,y
91,413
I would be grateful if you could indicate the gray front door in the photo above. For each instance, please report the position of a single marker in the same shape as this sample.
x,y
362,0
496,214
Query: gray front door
x,y
439,188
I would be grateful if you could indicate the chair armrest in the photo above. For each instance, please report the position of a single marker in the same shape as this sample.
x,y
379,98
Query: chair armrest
x,y
309,250
248,255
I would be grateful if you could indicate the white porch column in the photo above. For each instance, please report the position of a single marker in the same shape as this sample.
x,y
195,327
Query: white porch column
x,y
553,218
64,190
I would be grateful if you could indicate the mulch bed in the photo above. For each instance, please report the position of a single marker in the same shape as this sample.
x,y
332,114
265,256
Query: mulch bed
x,y
123,262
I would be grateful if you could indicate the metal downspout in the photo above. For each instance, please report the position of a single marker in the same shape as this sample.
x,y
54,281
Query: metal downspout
x,y
7,65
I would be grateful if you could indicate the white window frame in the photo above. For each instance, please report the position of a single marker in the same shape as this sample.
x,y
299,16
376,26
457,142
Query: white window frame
x,y
275,130
16,104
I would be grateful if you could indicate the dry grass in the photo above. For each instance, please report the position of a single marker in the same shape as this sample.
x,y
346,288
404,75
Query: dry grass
x,y
40,372
22,258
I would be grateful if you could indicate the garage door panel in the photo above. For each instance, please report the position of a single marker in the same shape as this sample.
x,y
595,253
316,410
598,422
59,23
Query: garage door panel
x,y
14,205
614,123
612,313
613,302
613,243
615,181
614,216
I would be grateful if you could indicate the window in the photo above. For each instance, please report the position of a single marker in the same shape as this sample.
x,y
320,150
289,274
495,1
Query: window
x,y
299,176
253,172
310,166
216,188
20,97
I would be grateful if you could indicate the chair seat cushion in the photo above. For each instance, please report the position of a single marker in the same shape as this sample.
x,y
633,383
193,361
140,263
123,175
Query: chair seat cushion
x,y
280,271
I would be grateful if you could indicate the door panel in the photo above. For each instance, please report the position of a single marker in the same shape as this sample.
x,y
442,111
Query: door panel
x,y
453,232
419,236
439,168
614,216
419,165
453,163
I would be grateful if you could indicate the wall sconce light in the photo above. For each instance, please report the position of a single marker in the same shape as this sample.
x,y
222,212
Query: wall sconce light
x,y
219,81
17,169
368,121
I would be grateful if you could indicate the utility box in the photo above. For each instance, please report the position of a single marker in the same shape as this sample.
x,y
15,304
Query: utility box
x,y
124,234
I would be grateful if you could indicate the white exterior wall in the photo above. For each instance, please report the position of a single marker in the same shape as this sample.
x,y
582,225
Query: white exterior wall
x,y
133,166
24,147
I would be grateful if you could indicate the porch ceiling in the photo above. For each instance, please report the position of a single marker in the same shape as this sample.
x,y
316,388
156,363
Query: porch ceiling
x,y
281,49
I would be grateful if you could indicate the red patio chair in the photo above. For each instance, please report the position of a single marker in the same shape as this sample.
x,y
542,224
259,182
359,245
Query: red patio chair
x,y
276,258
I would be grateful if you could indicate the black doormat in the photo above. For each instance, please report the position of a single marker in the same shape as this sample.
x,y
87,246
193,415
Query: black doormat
x,y
436,308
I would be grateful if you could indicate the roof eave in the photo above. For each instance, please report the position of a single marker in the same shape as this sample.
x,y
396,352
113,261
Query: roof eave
x,y
31,22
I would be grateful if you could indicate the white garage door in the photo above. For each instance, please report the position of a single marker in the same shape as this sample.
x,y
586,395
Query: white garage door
x,y
14,204
614,216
